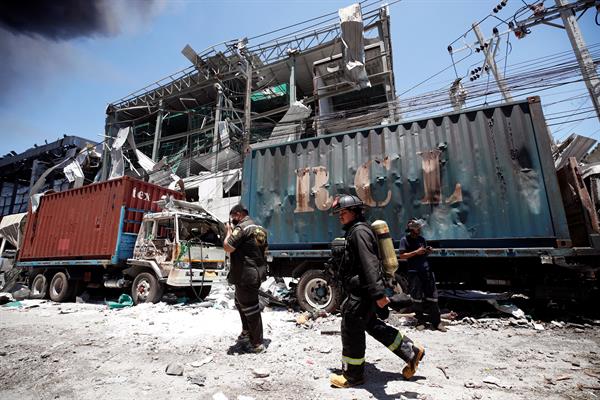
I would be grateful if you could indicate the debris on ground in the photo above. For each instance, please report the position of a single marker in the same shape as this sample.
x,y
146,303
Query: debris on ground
x,y
219,396
144,349
174,369
198,364
6,298
21,294
260,373
125,300
196,379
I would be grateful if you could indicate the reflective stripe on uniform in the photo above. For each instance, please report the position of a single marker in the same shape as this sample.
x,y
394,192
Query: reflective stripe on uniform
x,y
433,300
396,343
353,361
251,310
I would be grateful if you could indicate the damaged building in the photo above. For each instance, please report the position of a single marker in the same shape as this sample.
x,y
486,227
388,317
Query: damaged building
x,y
298,83
65,163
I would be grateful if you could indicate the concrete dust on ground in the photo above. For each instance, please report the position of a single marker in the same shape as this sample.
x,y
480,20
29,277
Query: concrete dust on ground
x,y
87,351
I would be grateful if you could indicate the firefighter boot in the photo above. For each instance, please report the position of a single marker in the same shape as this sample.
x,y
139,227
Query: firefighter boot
x,y
412,354
411,367
340,381
352,373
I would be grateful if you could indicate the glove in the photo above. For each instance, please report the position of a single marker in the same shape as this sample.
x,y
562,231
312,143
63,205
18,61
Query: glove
x,y
382,313
400,301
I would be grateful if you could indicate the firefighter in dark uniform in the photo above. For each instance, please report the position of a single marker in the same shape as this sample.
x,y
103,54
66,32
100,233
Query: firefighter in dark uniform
x,y
247,244
360,271
421,280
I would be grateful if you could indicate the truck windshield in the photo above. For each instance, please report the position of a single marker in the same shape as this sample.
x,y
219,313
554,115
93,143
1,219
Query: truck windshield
x,y
207,231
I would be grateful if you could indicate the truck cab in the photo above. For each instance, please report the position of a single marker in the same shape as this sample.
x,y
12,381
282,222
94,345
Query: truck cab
x,y
183,245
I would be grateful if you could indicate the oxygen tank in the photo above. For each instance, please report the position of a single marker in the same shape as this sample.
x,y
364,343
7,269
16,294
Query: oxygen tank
x,y
386,247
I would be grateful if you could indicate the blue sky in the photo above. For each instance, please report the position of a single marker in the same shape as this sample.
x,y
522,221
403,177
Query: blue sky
x,y
63,87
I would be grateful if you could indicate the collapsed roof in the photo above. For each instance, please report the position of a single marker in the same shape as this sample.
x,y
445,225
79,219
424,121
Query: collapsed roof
x,y
197,118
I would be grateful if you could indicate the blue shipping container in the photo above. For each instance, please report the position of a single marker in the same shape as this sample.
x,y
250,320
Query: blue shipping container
x,y
480,178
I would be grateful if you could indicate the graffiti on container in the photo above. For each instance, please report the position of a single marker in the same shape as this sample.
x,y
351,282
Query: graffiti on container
x,y
432,184
138,194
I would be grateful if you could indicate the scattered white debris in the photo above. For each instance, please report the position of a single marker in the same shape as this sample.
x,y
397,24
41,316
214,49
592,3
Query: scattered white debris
x,y
260,373
206,360
219,396
174,369
538,327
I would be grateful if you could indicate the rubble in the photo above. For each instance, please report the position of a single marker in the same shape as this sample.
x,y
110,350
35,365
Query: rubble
x,y
219,396
6,298
473,385
492,380
192,342
260,373
196,379
174,369
197,364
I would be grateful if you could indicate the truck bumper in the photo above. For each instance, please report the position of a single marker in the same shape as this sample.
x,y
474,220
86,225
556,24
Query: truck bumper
x,y
180,277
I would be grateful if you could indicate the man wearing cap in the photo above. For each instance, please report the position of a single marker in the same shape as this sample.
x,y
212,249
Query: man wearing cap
x,y
421,281
246,243
361,274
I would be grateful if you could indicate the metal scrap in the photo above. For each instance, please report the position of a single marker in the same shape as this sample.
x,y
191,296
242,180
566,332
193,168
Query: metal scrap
x,y
574,146
353,49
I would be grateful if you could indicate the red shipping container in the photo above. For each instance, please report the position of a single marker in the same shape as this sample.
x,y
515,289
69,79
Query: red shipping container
x,y
91,222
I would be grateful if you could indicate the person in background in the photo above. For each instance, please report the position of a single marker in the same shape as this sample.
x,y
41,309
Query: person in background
x,y
421,280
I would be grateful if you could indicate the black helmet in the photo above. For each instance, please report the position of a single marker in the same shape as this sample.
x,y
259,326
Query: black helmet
x,y
415,223
238,208
347,201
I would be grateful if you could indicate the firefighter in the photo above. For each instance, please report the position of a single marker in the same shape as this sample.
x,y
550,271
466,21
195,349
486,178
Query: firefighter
x,y
421,281
360,271
246,243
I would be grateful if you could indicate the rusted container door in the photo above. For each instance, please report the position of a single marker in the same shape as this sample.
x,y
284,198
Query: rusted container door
x,y
86,223
480,178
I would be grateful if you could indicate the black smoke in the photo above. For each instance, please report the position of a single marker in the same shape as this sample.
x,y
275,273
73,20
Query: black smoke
x,y
67,19
35,35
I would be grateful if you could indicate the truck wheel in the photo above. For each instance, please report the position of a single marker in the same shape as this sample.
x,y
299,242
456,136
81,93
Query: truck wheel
x,y
146,288
39,287
60,287
315,291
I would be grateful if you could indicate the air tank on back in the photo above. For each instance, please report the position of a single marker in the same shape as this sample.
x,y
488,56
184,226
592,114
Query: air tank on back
x,y
386,247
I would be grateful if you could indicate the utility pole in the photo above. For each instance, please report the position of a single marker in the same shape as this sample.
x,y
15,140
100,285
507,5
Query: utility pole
x,y
292,63
490,61
247,108
586,63
157,131
216,133
542,15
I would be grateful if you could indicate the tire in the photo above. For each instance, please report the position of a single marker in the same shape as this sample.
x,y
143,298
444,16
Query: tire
x,y
39,287
146,288
60,288
316,291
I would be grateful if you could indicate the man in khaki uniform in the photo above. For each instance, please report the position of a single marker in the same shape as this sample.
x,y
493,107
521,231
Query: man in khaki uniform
x,y
246,243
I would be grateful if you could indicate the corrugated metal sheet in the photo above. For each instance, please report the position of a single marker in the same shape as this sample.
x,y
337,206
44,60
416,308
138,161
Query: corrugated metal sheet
x,y
85,223
578,146
485,174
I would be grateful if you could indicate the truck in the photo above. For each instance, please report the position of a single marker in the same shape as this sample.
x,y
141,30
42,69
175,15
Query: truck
x,y
120,233
499,216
